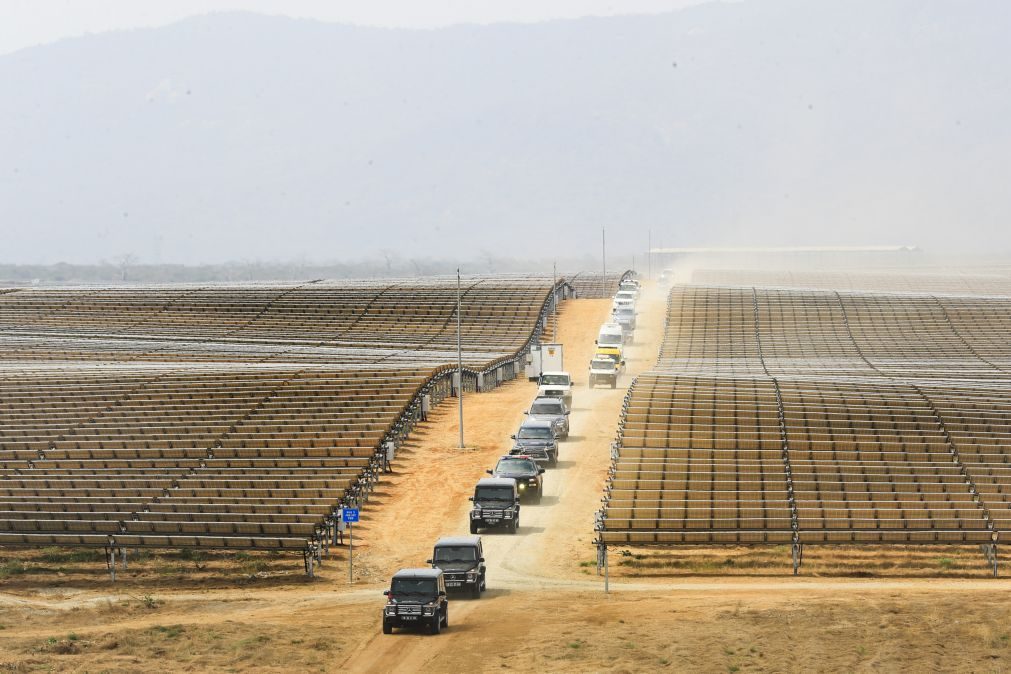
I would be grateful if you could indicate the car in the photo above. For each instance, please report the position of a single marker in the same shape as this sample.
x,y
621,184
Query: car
x,y
537,440
526,472
552,410
555,385
623,295
603,370
416,598
625,317
496,504
461,559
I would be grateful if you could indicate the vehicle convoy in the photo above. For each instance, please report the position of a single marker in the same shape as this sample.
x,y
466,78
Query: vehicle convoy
x,y
526,472
555,385
537,440
625,317
461,559
603,370
552,410
416,598
496,504
612,334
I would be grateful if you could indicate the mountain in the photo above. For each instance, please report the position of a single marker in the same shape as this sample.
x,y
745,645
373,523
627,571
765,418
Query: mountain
x,y
238,136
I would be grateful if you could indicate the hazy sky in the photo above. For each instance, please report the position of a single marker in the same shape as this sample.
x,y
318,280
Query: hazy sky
x,y
24,23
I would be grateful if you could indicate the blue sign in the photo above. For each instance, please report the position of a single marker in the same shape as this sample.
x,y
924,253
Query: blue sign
x,y
350,515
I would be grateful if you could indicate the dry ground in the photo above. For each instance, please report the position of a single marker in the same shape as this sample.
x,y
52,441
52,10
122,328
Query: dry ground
x,y
725,609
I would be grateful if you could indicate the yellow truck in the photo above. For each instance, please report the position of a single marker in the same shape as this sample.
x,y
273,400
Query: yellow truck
x,y
615,353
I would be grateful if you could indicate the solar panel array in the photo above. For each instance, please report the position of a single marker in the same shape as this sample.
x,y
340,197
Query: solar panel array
x,y
596,285
806,416
228,416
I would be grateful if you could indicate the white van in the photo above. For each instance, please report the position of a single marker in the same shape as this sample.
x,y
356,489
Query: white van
x,y
611,334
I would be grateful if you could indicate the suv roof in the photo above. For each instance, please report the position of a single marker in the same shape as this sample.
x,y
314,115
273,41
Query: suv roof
x,y
418,573
555,372
496,482
548,399
458,541
536,423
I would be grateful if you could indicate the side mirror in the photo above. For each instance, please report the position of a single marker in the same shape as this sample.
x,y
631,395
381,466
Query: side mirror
x,y
596,342
442,593
386,593
540,471
470,498
428,561
513,437
567,412
480,559
490,472
623,363
526,411
517,499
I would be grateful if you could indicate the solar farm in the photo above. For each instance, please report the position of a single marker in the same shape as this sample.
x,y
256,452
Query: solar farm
x,y
785,415
231,417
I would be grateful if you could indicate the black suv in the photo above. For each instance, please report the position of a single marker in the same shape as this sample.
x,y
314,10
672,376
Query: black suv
x,y
552,410
496,503
525,471
537,440
416,597
461,559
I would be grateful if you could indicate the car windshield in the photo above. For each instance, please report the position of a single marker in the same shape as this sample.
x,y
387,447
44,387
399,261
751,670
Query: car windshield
x,y
516,466
546,408
493,494
612,340
624,312
455,553
602,364
555,379
414,586
534,434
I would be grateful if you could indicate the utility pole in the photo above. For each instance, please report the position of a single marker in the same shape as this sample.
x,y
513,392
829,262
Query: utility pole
x,y
459,354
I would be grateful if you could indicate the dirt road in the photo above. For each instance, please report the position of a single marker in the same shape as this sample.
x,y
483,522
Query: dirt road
x,y
712,610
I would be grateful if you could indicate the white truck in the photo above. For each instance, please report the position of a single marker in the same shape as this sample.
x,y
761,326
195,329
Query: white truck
x,y
555,385
543,358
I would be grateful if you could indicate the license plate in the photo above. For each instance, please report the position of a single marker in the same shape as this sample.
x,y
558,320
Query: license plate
x,y
492,520
455,583
408,617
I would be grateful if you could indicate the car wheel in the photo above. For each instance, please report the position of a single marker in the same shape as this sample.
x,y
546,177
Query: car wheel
x,y
554,459
614,384
445,617
473,528
514,526
436,625
387,627
475,592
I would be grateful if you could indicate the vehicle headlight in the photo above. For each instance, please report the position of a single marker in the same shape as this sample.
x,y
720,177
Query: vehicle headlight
x,y
508,515
472,575
391,610
428,610
522,486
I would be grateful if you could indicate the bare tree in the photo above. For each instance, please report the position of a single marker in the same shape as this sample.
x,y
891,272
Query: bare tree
x,y
124,262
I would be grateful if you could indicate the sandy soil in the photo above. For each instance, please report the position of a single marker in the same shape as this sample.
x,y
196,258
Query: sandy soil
x,y
728,609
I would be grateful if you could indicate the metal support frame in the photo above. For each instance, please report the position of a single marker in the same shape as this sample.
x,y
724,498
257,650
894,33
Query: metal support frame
x,y
110,562
798,556
990,552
